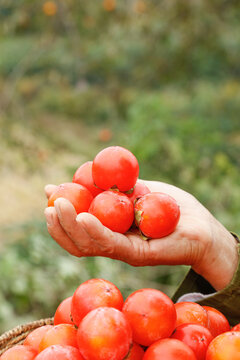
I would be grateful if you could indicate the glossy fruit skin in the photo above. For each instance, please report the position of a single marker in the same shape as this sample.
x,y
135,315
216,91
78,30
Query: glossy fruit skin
x,y
19,352
114,210
83,176
169,349
35,337
59,352
92,294
151,314
225,346
62,334
135,353
236,327
78,195
63,312
139,190
217,322
197,337
190,312
156,214
104,334
113,167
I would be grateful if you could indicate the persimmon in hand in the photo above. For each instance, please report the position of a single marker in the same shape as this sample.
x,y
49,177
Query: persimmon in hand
x,y
77,194
156,214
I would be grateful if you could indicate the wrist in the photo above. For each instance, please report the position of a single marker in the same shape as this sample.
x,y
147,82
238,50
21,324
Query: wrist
x,y
220,260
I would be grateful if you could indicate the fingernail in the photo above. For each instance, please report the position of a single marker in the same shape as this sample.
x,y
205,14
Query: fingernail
x,y
57,205
49,217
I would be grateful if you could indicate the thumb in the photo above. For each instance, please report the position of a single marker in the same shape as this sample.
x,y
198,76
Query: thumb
x,y
109,243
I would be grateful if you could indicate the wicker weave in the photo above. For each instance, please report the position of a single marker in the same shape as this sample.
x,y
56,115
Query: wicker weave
x,y
17,335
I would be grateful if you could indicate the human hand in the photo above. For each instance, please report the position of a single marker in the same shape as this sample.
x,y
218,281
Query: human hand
x,y
199,239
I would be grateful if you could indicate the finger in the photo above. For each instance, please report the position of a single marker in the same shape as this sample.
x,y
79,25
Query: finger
x,y
90,236
49,189
131,248
67,217
108,243
101,237
178,194
58,234
86,231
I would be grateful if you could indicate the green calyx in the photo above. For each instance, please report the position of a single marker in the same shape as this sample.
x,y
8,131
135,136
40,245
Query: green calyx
x,y
138,216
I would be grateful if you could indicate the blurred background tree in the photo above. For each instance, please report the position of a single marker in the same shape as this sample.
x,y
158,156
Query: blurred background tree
x,y
161,78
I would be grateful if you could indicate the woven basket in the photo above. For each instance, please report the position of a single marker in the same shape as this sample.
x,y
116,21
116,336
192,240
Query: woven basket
x,y
17,335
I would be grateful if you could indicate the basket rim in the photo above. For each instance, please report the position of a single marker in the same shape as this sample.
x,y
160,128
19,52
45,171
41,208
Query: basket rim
x,y
18,334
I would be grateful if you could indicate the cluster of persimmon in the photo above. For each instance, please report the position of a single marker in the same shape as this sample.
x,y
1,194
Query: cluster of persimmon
x,y
108,188
97,324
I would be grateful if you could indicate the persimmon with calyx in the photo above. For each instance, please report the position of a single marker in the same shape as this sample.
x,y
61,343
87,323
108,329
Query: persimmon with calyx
x,y
114,209
115,167
139,190
92,294
156,214
77,194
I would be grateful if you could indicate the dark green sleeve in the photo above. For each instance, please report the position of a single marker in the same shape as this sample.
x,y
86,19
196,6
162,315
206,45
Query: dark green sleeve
x,y
227,300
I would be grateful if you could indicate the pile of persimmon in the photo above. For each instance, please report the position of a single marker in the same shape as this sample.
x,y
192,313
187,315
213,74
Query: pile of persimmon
x,y
108,188
97,324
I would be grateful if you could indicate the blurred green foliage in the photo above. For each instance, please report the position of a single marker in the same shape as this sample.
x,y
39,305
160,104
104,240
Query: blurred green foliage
x,y
191,139
162,76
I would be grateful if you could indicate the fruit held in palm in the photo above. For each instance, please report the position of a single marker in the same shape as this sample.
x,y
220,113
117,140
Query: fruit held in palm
x,y
78,195
115,167
139,190
156,214
114,209
83,176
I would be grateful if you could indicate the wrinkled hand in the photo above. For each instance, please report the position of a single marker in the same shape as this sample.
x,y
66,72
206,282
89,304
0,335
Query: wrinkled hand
x,y
199,239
